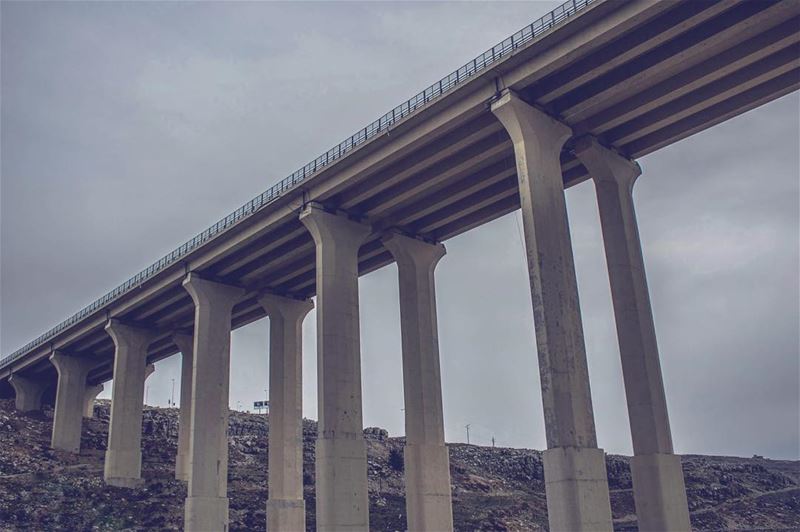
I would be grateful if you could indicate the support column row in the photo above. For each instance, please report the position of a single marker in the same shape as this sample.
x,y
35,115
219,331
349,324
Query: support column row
x,y
577,492
575,473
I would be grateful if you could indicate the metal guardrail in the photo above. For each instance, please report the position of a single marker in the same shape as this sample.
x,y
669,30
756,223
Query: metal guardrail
x,y
444,85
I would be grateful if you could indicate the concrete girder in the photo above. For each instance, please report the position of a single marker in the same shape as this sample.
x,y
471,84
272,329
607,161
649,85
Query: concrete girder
x,y
741,55
684,16
710,116
743,21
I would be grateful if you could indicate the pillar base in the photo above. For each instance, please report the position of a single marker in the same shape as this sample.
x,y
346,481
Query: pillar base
x,y
576,485
204,514
659,492
341,469
123,468
122,482
182,466
428,499
286,514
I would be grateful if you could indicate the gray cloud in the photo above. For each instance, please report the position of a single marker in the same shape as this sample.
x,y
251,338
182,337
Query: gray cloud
x,y
129,127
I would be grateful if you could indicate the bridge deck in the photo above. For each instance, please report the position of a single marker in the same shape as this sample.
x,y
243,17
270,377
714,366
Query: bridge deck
x,y
638,75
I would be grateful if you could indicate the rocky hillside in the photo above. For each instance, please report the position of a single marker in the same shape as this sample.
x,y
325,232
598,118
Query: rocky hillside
x,y
493,488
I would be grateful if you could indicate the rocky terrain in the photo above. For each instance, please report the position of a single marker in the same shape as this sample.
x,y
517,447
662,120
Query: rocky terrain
x,y
493,488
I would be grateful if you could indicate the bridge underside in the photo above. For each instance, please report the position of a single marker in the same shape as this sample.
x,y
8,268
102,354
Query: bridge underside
x,y
671,71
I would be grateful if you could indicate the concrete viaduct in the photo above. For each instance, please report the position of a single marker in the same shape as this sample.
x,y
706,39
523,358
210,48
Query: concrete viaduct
x,y
581,93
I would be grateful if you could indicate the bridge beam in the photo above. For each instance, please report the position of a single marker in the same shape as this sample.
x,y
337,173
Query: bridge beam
x,y
341,456
185,344
207,498
70,394
27,392
575,472
658,485
123,465
427,463
286,509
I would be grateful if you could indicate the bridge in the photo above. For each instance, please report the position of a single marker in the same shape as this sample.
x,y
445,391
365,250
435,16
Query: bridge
x,y
579,94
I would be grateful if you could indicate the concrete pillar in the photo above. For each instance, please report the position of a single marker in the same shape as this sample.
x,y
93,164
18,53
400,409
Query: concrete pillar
x,y
658,486
68,413
149,370
27,393
286,509
185,343
89,397
575,473
123,466
207,500
341,454
427,465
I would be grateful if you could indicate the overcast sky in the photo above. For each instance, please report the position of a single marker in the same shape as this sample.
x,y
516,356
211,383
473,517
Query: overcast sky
x,y
129,127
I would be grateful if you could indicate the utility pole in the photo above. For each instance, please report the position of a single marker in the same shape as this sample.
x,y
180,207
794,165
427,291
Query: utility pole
x,y
467,427
172,395
492,442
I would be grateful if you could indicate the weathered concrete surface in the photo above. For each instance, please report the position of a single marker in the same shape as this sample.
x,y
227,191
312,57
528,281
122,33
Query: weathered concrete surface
x,y
123,466
427,466
185,343
207,497
341,456
28,393
68,413
659,487
286,509
577,489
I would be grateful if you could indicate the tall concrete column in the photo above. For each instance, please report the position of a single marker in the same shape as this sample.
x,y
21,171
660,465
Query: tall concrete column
x,y
27,393
341,454
123,466
658,486
89,397
575,473
185,343
286,509
427,464
68,413
207,500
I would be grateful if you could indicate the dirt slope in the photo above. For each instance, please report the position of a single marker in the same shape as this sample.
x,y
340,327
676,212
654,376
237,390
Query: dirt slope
x,y
493,488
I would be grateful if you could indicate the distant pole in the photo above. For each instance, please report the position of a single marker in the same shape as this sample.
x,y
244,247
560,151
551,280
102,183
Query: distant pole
x,y
172,395
467,427
492,441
